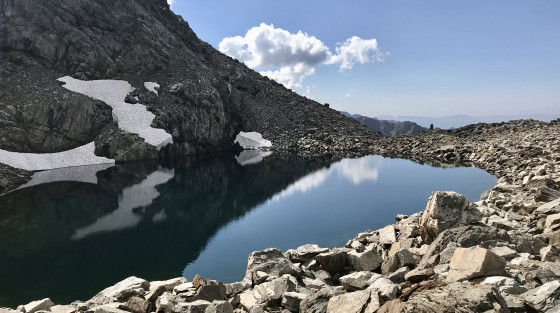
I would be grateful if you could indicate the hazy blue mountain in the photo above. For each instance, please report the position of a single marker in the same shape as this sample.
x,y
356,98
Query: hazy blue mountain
x,y
387,127
455,121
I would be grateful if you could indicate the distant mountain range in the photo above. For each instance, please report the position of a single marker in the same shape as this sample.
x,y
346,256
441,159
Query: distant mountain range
x,y
456,121
387,128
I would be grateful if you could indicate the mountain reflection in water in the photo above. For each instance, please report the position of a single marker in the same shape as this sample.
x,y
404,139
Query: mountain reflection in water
x,y
70,239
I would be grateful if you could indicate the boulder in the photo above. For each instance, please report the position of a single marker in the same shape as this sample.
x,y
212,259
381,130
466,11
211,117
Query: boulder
x,y
418,275
267,292
39,305
550,254
198,306
167,284
106,308
121,292
368,260
543,296
219,307
455,297
445,210
353,302
552,220
210,293
305,252
292,300
268,261
333,261
397,260
469,263
166,302
387,235
385,288
358,280
63,309
136,305
399,275
504,284
465,236
317,302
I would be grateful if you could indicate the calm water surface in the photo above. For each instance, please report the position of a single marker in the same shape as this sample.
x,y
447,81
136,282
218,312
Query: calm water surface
x,y
71,233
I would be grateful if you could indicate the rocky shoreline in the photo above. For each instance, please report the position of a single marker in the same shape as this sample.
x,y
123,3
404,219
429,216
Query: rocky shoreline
x,y
499,254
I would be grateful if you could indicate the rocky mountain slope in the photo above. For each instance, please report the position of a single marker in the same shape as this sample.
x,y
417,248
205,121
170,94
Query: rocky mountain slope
x,y
387,128
205,98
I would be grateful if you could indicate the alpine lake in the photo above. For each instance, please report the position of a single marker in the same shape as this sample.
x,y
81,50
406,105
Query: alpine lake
x,y
70,233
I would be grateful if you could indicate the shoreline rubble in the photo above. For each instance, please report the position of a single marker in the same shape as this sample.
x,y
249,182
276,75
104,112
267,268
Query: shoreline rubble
x,y
499,254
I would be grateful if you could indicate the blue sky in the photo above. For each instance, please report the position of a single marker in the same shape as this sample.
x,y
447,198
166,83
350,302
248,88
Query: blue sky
x,y
429,58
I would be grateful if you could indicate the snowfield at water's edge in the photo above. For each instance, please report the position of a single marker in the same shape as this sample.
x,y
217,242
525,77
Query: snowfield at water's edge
x,y
133,118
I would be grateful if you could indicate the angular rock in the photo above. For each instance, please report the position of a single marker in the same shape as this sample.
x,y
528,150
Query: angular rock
x,y
121,292
445,210
268,261
469,263
399,275
317,302
418,275
167,284
63,309
39,305
210,293
504,284
368,260
385,288
333,261
268,292
353,302
198,306
305,252
136,305
543,296
552,220
465,236
387,235
455,297
358,280
219,307
166,302
292,300
106,308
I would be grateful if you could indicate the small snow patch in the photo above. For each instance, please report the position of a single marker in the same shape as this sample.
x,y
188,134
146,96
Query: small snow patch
x,y
80,156
133,118
151,86
252,140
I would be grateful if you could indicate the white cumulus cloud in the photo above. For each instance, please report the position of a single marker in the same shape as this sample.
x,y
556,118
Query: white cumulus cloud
x,y
170,2
288,58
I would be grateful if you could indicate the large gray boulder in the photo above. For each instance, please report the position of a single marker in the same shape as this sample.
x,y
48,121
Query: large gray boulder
x,y
121,292
475,262
445,210
455,297
269,261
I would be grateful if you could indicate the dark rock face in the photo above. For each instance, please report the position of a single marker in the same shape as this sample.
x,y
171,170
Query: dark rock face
x,y
205,98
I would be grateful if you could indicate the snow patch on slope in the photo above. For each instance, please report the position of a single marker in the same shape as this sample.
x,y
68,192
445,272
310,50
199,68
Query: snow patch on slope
x,y
79,156
252,140
151,86
133,118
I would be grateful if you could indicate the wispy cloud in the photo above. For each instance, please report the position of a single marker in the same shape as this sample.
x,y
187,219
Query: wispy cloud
x,y
289,58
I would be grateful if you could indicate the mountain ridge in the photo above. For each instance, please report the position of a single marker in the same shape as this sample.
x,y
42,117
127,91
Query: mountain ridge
x,y
387,127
